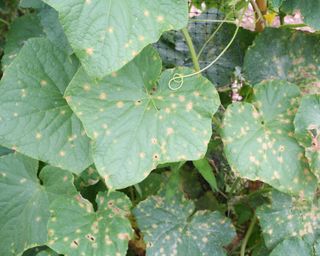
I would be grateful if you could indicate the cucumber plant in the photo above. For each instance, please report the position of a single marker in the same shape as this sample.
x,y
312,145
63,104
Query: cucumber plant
x,y
121,134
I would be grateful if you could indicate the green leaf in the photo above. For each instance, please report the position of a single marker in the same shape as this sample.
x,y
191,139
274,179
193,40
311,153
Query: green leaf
x,y
24,202
289,221
307,130
285,54
293,246
53,29
259,139
174,50
105,35
169,228
36,4
206,171
137,122
76,229
310,10
36,119
21,29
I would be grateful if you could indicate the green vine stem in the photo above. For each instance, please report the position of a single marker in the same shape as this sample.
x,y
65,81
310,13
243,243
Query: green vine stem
x,y
247,236
192,50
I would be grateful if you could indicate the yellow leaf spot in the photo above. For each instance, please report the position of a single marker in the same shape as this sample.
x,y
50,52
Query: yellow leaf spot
x,y
89,51
182,98
86,87
141,38
43,83
189,106
154,141
110,29
120,104
142,155
103,96
170,131
38,135
62,153
146,13
123,236
160,18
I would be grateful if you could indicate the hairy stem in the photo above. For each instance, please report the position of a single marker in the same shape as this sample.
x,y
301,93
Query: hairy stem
x,y
247,236
192,50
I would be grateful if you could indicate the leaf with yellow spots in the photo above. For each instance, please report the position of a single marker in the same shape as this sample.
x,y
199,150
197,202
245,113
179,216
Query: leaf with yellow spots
x,y
259,139
140,122
105,35
76,229
271,58
24,201
290,222
35,118
307,130
174,229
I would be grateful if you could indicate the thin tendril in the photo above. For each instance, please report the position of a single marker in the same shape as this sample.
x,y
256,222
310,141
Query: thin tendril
x,y
179,78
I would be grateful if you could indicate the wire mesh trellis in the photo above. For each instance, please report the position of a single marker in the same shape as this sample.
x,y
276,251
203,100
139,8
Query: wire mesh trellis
x,y
174,50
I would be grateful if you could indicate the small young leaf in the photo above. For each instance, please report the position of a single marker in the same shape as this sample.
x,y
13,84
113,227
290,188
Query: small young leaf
x,y
169,228
75,229
35,118
105,34
259,139
205,169
137,122
307,130
288,220
24,202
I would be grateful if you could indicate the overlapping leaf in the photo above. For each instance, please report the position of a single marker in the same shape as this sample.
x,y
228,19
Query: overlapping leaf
x,y
290,223
53,29
105,34
36,4
137,122
21,30
307,130
285,54
24,202
259,139
35,118
170,228
75,229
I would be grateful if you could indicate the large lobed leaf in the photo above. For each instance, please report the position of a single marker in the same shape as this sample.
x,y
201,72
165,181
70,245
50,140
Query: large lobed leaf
x,y
137,122
307,130
290,225
24,202
259,139
36,120
106,34
285,54
170,228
